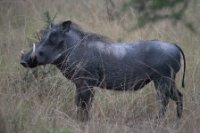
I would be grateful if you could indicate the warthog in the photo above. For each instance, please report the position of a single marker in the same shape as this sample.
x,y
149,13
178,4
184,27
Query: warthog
x,y
92,60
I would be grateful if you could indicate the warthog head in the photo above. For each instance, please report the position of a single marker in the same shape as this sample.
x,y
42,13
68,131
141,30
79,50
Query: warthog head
x,y
52,45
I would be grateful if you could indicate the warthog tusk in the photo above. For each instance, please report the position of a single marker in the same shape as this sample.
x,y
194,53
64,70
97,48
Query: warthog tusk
x,y
33,52
22,52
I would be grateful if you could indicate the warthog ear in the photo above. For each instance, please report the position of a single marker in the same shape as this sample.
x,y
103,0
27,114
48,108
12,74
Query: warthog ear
x,y
66,25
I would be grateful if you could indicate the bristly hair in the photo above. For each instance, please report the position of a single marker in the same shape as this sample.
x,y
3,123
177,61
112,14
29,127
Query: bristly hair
x,y
90,36
74,27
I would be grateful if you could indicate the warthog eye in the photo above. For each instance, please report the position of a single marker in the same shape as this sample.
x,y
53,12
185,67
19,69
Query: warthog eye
x,y
41,53
61,42
53,37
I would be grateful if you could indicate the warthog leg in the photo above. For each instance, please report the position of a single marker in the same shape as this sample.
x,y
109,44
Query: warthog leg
x,y
166,88
178,98
162,88
83,100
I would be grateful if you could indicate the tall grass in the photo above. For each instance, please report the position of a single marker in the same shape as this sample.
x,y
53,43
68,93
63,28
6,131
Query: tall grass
x,y
41,100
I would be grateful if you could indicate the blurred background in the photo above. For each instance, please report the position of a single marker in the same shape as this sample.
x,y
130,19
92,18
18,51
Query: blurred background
x,y
41,100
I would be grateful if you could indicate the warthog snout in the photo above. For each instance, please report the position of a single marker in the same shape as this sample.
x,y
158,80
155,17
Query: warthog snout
x,y
29,59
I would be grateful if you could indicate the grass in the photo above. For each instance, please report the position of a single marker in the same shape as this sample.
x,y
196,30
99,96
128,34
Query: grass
x,y
41,100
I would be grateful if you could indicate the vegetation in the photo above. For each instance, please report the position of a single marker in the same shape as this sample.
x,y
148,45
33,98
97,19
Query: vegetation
x,y
41,100
157,10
